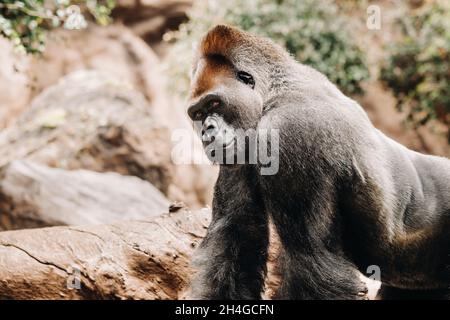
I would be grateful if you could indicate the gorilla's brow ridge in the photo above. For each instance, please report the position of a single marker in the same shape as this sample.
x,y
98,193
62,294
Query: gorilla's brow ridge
x,y
218,58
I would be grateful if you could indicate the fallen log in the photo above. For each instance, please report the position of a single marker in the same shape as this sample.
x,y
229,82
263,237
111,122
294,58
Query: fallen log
x,y
33,195
142,259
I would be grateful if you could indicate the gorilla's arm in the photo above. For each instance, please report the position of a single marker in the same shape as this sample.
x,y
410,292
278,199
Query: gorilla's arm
x,y
233,255
302,199
313,264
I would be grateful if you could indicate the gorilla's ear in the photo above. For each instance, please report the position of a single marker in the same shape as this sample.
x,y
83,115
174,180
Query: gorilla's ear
x,y
220,40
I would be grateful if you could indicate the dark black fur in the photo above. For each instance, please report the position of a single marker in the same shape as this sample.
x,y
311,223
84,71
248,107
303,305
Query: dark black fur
x,y
345,196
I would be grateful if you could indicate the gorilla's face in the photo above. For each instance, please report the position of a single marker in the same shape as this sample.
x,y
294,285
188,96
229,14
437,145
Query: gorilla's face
x,y
223,103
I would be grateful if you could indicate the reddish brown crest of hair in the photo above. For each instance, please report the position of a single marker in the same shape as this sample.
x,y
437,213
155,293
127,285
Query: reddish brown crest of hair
x,y
220,41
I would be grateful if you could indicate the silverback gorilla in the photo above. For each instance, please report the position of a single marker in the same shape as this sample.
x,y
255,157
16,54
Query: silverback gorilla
x,y
345,196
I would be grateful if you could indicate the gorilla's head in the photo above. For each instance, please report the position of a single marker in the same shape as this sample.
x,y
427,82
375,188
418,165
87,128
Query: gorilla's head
x,y
232,76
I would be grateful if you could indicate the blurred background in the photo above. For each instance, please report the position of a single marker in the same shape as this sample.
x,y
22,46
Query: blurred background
x,y
100,85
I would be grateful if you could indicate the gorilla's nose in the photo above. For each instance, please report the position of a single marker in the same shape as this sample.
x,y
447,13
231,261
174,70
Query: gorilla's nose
x,y
204,105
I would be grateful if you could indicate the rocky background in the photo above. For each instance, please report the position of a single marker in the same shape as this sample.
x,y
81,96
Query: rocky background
x,y
85,148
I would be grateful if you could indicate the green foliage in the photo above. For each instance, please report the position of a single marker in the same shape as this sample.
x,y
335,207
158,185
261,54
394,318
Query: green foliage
x,y
418,70
312,31
25,22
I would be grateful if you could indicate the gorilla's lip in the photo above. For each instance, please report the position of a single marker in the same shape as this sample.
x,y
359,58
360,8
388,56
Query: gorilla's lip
x,y
228,145
215,146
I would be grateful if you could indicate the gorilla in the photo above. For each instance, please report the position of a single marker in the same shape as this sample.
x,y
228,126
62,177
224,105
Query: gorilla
x,y
344,197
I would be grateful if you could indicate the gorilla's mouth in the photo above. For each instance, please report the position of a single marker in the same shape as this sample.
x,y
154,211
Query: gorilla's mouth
x,y
221,153
217,133
218,137
222,141
224,146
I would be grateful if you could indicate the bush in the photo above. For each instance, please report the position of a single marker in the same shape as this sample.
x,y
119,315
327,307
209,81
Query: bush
x,y
25,22
311,30
418,69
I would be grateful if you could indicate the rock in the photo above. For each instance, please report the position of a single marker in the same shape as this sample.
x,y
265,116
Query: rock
x,y
33,195
150,19
114,50
93,121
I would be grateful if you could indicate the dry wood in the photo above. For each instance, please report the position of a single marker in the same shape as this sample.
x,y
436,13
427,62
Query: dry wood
x,y
143,259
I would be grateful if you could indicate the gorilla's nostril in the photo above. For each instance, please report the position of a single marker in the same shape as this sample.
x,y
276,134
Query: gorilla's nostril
x,y
209,133
210,130
215,103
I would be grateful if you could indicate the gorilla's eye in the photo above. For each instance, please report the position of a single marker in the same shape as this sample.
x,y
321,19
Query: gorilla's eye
x,y
246,78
